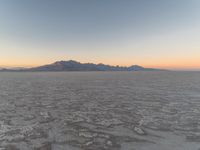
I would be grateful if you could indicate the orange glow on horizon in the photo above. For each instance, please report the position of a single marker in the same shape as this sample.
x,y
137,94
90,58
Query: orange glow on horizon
x,y
176,64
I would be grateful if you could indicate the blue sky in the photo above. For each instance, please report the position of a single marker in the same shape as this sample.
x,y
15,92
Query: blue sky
x,y
156,33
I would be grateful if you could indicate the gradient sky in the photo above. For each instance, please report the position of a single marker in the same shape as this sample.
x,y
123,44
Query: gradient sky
x,y
151,33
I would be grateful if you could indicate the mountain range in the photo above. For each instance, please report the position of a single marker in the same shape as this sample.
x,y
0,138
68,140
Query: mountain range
x,y
72,65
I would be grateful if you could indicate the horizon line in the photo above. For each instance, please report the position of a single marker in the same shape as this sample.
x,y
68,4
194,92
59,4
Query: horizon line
x,y
155,67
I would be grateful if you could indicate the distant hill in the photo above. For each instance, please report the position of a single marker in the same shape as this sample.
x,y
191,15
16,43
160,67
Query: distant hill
x,y
72,65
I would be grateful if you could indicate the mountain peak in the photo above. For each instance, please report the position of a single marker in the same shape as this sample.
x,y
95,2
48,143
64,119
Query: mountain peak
x,y
72,65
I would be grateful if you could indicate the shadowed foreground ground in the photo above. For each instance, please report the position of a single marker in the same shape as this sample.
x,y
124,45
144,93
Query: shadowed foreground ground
x,y
100,111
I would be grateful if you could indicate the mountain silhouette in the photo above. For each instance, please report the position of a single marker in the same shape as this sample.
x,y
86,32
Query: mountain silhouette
x,y
73,65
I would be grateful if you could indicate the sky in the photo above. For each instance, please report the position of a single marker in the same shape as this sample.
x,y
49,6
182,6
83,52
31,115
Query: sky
x,y
151,33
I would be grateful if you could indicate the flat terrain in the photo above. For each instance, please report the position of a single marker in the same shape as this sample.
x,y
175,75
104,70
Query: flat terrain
x,y
100,111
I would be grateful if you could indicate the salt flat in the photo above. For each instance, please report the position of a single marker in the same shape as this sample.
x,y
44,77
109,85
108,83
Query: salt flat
x,y
100,111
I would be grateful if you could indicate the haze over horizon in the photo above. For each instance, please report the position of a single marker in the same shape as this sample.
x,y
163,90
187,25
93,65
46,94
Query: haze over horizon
x,y
157,33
